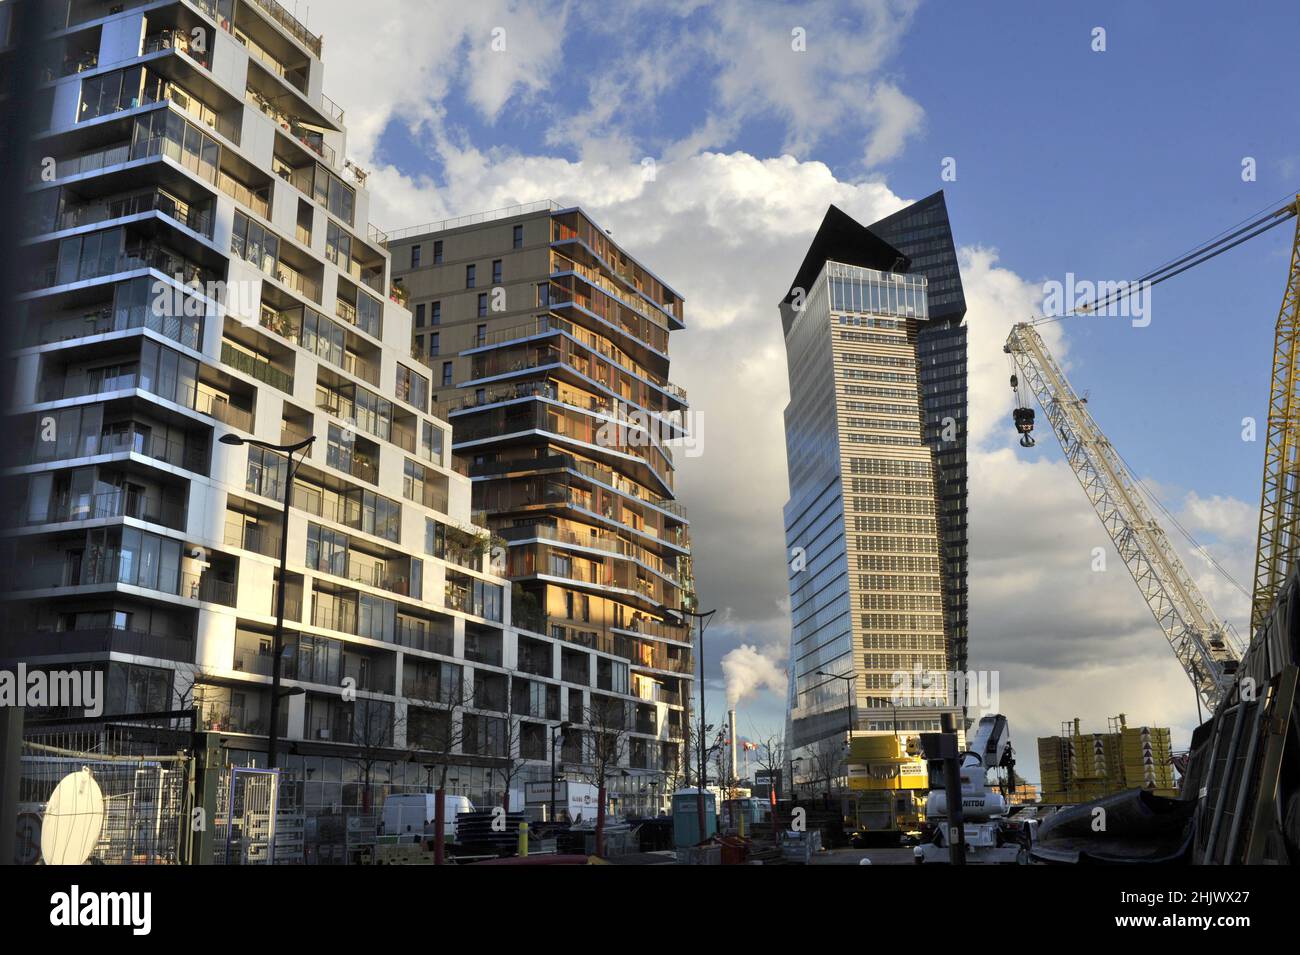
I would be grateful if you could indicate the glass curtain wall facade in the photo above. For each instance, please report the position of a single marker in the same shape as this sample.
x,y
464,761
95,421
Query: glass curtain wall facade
x,y
923,233
866,575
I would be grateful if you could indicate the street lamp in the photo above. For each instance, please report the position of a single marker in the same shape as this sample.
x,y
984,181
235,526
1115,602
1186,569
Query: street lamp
x,y
848,741
703,781
560,730
277,645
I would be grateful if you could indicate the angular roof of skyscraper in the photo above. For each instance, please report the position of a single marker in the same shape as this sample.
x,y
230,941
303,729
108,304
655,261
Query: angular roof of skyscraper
x,y
842,238
922,232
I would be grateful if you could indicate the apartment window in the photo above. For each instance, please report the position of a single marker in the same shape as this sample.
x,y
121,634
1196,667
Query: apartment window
x,y
111,93
482,305
470,271
437,252
433,440
369,311
338,246
334,194
519,237
415,256
412,388
255,244
417,578
434,345
480,336
446,374
419,315
435,313
496,271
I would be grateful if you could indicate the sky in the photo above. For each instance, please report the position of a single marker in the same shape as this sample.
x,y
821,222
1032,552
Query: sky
x,y
710,137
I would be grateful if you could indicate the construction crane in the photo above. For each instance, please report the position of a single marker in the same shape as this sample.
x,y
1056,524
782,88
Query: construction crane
x,y
1198,638
1279,542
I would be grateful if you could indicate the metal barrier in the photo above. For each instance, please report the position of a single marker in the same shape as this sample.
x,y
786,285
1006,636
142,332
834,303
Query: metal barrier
x,y
146,789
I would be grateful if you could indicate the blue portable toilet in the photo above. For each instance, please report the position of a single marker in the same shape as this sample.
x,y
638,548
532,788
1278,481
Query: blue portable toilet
x,y
686,817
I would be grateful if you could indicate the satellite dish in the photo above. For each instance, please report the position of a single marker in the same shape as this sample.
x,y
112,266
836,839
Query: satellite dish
x,y
73,818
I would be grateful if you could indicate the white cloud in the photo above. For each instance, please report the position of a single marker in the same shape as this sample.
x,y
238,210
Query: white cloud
x,y
728,229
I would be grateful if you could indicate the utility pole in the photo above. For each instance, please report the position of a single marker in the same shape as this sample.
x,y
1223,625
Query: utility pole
x,y
703,781
277,645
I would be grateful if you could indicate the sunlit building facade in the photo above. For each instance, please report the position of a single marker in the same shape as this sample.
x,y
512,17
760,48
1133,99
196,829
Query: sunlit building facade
x,y
866,575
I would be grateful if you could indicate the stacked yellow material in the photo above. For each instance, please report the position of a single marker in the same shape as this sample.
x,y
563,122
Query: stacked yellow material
x,y
1146,752
1079,767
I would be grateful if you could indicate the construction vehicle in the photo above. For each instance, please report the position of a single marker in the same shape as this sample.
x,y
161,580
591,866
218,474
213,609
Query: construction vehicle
x,y
991,833
887,780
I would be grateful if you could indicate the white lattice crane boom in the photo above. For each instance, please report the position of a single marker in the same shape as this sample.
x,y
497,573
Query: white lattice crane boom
x,y
1198,638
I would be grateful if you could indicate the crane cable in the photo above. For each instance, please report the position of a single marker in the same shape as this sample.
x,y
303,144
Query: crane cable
x,y
1230,238
1253,225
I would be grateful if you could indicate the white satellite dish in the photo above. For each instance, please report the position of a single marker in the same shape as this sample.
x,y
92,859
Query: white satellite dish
x,y
73,818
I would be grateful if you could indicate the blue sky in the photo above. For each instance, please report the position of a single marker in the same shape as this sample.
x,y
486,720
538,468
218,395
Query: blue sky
x,y
1068,160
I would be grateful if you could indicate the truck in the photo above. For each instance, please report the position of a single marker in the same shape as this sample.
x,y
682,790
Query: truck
x,y
574,802
410,816
989,832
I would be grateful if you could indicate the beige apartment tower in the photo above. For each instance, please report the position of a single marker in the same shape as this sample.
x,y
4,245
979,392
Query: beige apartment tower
x,y
548,349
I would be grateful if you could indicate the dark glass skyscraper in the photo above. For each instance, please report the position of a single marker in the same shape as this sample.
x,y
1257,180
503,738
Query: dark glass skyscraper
x,y
923,233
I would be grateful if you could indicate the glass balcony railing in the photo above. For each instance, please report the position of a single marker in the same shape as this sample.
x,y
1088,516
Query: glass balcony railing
x,y
68,507
261,370
197,218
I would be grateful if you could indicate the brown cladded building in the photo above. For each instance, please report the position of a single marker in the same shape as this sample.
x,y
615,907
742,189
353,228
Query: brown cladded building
x,y
548,350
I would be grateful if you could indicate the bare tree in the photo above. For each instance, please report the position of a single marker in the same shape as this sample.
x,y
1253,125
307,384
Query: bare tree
x,y
513,763
607,721
440,731
771,759
373,725
827,757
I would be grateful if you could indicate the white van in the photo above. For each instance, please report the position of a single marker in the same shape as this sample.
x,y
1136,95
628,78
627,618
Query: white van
x,y
411,816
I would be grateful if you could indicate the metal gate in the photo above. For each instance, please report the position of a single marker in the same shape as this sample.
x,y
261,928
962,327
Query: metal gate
x,y
146,792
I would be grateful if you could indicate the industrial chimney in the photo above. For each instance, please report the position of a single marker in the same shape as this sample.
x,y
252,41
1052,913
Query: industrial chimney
x,y
731,729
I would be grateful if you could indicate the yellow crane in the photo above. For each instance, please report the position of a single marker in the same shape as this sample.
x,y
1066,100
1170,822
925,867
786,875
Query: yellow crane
x,y
1279,505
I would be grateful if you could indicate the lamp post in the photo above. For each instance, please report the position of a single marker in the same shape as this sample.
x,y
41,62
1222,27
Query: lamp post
x,y
560,730
848,741
703,780
277,645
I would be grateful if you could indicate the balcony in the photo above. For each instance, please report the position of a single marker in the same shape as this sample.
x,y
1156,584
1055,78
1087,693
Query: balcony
x,y
292,125
263,371
195,217
190,454
66,507
186,330
100,640
209,589
291,24
179,40
144,256
259,538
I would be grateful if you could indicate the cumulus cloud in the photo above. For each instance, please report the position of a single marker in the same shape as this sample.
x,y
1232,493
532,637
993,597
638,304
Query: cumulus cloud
x,y
728,228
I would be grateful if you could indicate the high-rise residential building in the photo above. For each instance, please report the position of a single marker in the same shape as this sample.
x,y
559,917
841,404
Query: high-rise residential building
x,y
923,233
866,576
200,265
548,349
